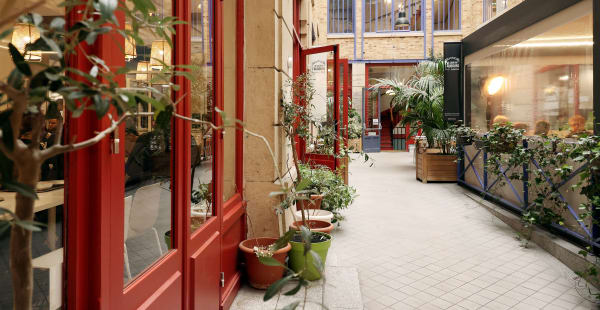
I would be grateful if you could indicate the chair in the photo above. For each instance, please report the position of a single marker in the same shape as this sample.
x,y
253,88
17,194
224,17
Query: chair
x,y
141,216
53,263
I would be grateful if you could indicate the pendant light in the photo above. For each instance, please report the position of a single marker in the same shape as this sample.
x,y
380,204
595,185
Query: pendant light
x,y
401,21
24,34
142,66
160,51
130,48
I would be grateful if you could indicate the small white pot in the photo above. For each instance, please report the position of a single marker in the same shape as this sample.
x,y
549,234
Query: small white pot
x,y
320,215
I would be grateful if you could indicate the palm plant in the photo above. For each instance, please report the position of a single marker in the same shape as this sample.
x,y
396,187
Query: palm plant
x,y
421,102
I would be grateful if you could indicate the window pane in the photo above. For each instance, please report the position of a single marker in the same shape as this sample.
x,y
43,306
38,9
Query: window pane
x,y
542,85
381,15
47,244
446,15
202,101
340,16
322,132
148,150
229,54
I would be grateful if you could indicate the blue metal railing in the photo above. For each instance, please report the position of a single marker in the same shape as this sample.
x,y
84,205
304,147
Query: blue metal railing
x,y
467,163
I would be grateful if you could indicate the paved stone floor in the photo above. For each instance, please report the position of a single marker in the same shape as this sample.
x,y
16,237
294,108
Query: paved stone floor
x,y
427,246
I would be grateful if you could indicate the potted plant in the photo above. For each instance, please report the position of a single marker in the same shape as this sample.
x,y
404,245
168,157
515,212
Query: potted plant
x,y
421,102
355,131
465,135
502,139
261,276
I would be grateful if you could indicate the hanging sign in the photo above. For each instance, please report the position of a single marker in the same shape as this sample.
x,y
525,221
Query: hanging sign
x,y
453,103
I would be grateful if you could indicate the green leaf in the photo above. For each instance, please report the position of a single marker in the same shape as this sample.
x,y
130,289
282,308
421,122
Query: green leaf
x,y
94,71
276,287
107,7
296,288
269,261
22,189
303,184
19,60
5,33
317,262
283,241
292,306
101,105
29,225
53,46
58,23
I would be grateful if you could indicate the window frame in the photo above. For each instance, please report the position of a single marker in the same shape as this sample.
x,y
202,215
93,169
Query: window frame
x,y
352,17
433,17
377,31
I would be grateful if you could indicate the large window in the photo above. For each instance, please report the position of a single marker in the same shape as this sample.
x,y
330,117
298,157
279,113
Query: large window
x,y
381,15
491,8
340,17
542,84
446,14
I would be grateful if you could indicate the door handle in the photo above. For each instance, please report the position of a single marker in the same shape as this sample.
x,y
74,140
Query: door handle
x,y
115,141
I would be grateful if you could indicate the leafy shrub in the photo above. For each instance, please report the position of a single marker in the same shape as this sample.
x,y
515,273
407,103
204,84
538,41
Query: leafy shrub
x,y
336,195
354,124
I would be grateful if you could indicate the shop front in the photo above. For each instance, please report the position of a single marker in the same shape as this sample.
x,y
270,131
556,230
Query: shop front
x,y
151,217
540,74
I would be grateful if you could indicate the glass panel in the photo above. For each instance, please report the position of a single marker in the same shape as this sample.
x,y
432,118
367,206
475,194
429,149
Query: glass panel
x,y
147,203
47,244
322,132
202,101
340,16
381,15
542,85
229,55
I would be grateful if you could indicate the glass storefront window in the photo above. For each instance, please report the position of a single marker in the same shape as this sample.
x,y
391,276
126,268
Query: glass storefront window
x,y
542,85
47,244
148,150
229,100
202,106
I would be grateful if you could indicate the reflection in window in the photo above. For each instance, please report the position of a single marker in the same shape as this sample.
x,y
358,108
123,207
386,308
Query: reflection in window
x,y
148,150
47,244
202,106
340,16
229,99
446,15
322,131
542,85
381,15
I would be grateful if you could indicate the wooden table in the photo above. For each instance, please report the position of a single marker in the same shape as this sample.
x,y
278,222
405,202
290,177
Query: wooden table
x,y
47,201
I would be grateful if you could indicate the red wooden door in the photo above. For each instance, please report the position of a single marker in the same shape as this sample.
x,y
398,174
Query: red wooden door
x,y
324,142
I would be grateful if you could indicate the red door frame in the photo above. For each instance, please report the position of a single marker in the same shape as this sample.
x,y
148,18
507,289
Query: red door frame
x,y
320,159
94,182
409,140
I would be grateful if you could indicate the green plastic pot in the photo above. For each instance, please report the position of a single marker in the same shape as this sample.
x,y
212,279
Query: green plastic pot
x,y
297,258
168,239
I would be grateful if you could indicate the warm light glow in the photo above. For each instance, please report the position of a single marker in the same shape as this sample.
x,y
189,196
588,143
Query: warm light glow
x,y
564,78
200,6
160,51
130,48
495,85
142,66
556,44
24,34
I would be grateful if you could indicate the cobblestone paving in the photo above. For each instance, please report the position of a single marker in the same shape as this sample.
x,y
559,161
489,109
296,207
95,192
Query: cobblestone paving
x,y
428,246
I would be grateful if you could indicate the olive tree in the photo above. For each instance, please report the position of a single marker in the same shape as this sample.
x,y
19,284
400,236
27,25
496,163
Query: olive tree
x,y
31,85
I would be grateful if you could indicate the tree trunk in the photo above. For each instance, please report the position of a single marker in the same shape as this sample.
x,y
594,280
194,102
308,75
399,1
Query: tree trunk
x,y
20,238
298,175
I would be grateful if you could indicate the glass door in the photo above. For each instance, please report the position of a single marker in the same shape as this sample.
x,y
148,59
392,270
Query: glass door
x,y
324,68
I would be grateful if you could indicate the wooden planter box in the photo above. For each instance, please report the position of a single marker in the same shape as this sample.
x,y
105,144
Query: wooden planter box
x,y
432,166
343,170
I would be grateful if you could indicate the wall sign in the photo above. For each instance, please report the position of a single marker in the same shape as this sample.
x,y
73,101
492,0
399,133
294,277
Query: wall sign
x,y
318,66
453,102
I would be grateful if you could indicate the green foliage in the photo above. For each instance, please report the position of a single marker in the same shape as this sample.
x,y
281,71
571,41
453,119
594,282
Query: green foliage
x,y
355,126
337,196
557,160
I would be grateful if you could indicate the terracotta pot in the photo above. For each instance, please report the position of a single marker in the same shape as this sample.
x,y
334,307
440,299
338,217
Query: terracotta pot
x,y
262,276
313,204
314,225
